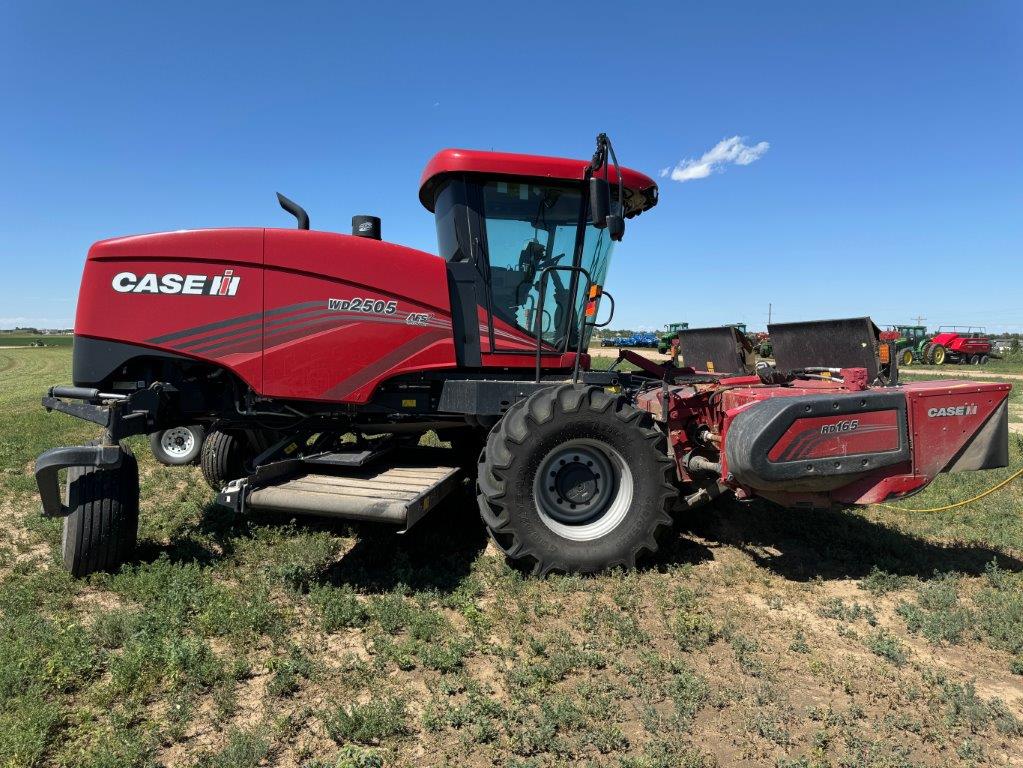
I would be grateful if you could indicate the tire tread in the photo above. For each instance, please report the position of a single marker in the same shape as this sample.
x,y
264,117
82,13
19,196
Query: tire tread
x,y
513,432
220,459
102,528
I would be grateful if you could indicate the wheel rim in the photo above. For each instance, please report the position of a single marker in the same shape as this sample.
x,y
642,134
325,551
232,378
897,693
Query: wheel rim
x,y
583,489
907,357
939,355
178,441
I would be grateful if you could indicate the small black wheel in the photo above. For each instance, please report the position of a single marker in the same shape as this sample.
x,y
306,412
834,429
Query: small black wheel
x,y
177,446
222,458
576,480
101,531
984,359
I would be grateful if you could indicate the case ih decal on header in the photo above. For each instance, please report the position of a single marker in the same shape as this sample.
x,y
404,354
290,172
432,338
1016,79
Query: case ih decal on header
x,y
194,285
969,409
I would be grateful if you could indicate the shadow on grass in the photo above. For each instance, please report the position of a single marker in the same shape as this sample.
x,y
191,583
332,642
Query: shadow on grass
x,y
435,555
211,539
802,545
438,553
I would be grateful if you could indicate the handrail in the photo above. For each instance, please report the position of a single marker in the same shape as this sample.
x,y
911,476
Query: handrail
x,y
538,327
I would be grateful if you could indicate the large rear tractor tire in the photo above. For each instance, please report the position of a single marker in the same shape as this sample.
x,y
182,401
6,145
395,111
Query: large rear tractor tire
x,y
101,531
223,458
576,480
937,355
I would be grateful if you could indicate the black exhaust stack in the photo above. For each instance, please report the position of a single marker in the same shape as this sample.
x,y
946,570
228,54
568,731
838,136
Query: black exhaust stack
x,y
295,210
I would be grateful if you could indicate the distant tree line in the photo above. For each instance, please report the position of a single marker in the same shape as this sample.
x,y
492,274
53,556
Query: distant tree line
x,y
23,330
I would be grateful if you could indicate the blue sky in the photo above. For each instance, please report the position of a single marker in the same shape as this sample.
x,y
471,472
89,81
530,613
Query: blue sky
x,y
892,183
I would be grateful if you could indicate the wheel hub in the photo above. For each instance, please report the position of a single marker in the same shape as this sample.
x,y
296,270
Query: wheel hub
x,y
580,489
576,483
178,441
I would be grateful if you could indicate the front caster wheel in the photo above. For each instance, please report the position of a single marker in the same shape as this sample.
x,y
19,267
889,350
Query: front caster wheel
x,y
101,531
576,480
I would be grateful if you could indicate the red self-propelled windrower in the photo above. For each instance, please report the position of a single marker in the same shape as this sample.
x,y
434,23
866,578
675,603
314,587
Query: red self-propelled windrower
x,y
316,361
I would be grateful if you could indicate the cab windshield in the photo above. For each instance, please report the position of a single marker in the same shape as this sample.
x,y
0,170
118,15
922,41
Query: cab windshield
x,y
530,227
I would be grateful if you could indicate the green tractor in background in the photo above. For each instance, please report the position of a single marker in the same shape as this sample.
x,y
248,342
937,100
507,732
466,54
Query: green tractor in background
x,y
760,341
664,340
911,345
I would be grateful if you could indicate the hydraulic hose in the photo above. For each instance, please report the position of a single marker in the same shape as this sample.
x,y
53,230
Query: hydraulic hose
x,y
992,489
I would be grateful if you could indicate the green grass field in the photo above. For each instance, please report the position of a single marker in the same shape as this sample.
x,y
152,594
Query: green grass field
x,y
1011,364
759,637
25,340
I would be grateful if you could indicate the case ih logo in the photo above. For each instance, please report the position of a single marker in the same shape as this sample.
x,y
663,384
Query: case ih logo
x,y
953,410
847,425
193,285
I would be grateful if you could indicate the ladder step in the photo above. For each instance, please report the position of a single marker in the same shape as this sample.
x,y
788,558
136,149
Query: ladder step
x,y
400,495
353,458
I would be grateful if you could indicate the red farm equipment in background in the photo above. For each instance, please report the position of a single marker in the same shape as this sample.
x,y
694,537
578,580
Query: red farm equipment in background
x,y
965,345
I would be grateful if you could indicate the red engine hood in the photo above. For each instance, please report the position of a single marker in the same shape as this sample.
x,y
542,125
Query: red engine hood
x,y
259,302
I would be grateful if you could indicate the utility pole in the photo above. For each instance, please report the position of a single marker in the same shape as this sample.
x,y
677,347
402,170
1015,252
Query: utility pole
x,y
919,319
769,313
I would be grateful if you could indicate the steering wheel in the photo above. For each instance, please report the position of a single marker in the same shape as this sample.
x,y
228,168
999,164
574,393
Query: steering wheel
x,y
549,262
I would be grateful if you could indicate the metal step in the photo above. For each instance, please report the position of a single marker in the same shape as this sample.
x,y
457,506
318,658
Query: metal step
x,y
399,492
351,458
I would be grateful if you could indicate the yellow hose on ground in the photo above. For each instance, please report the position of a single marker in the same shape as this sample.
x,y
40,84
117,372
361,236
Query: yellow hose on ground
x,y
979,496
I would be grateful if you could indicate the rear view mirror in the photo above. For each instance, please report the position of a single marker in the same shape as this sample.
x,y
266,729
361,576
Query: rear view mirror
x,y
616,227
600,202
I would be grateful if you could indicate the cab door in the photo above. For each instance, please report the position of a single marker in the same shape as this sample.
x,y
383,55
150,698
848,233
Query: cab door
x,y
530,227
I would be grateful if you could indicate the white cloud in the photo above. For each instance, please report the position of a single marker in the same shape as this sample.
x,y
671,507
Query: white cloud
x,y
732,151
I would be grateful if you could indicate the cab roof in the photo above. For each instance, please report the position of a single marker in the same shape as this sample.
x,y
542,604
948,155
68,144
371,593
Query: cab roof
x,y
640,189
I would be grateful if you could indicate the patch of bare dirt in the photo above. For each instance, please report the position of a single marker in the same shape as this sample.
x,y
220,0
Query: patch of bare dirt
x,y
647,352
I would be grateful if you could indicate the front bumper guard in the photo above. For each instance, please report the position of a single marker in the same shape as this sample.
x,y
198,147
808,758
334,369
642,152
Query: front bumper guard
x,y
49,464
120,416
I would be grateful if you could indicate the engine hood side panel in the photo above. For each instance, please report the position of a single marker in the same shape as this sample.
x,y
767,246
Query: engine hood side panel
x,y
350,312
177,292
